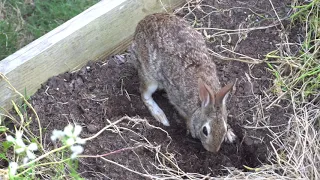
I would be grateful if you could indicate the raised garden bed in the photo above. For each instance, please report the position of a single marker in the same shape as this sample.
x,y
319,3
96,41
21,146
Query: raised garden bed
x,y
104,93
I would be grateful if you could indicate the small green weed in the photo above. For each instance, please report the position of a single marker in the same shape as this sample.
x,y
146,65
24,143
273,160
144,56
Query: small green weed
x,y
299,74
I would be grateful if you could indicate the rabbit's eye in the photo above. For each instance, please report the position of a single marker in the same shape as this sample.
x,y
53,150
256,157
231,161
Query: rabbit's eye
x,y
205,131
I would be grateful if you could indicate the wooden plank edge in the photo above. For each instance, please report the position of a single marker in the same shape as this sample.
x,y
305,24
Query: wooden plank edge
x,y
68,46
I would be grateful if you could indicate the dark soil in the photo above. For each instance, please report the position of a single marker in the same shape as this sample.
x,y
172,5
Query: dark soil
x,y
109,89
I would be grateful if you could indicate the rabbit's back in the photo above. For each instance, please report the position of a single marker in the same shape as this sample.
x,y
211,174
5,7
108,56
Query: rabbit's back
x,y
172,36
175,55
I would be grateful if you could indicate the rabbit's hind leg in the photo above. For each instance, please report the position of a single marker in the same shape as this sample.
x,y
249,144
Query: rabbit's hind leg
x,y
147,88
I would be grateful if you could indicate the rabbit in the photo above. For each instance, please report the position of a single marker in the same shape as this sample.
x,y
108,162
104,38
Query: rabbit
x,y
172,56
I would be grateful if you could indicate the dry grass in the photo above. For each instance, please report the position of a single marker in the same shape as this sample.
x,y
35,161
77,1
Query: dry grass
x,y
295,151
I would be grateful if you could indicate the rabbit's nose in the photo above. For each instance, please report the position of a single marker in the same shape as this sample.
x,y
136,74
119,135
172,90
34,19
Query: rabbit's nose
x,y
212,148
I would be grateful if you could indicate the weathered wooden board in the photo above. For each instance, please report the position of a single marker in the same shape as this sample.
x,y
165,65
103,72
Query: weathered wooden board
x,y
103,29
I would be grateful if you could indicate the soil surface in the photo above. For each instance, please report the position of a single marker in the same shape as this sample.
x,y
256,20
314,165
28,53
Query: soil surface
x,y
103,92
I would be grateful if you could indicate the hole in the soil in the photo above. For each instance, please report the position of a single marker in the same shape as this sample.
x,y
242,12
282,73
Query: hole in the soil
x,y
236,154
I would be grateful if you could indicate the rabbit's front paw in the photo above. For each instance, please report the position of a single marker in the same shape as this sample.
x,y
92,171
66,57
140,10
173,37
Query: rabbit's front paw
x,y
153,107
160,116
230,137
156,111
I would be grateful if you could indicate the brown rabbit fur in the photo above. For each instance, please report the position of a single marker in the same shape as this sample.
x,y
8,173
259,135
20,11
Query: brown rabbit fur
x,y
171,55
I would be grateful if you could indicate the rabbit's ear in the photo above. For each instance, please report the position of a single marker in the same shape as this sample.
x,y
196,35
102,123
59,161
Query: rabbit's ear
x,y
221,95
204,94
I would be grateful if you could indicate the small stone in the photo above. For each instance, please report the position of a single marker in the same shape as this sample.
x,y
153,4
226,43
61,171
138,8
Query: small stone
x,y
257,141
92,128
267,31
248,141
36,108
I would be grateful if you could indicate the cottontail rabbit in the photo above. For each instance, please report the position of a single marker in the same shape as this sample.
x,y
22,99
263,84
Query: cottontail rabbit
x,y
171,55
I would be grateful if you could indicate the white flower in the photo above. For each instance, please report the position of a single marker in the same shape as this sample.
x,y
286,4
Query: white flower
x,y
76,150
68,130
73,133
16,140
13,166
11,139
30,154
80,141
21,147
25,160
32,147
57,134
70,141
29,150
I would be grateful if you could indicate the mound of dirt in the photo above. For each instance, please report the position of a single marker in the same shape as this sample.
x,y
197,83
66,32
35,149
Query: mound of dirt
x,y
102,92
